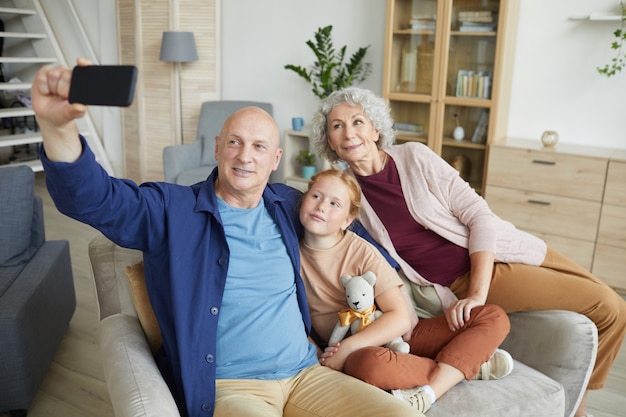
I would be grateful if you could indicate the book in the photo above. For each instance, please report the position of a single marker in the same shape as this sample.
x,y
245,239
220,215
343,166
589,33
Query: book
x,y
477,28
476,16
423,22
480,132
409,127
475,84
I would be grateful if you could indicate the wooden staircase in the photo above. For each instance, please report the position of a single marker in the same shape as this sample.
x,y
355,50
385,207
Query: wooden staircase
x,y
28,44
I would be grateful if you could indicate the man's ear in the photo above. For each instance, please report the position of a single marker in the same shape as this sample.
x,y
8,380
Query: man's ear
x,y
217,146
279,154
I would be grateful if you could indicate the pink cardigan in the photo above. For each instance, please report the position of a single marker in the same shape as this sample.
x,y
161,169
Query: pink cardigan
x,y
440,200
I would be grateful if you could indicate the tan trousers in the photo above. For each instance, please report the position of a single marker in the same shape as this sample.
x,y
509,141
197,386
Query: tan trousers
x,y
560,284
317,391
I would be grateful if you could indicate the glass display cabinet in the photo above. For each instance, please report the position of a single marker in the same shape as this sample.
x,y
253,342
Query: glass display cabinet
x,y
447,75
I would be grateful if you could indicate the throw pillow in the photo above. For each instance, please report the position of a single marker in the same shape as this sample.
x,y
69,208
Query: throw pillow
x,y
145,313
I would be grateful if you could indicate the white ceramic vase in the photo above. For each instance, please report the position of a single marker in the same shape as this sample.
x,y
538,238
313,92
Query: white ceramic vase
x,y
458,133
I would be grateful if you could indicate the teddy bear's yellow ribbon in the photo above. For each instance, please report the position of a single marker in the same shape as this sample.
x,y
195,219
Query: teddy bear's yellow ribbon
x,y
348,315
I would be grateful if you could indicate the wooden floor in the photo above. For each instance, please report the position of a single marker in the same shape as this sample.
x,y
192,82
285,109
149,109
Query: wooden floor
x,y
74,386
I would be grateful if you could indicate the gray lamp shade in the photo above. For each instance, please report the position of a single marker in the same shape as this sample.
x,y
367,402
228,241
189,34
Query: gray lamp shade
x,y
178,47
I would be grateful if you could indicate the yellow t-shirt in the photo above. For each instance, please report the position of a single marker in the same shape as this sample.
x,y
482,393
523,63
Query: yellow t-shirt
x,y
321,271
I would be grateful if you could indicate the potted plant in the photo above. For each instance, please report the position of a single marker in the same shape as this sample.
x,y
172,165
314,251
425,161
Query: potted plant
x,y
307,160
330,72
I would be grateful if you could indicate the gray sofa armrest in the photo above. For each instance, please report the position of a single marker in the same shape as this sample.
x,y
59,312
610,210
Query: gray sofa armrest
x,y
180,158
135,384
560,344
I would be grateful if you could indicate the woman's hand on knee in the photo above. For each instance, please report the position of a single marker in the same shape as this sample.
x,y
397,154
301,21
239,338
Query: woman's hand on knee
x,y
459,312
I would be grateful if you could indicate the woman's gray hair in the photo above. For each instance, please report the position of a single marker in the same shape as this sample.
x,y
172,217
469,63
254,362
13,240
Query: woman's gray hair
x,y
374,107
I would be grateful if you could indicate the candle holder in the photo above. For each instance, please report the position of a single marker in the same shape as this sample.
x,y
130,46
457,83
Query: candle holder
x,y
549,138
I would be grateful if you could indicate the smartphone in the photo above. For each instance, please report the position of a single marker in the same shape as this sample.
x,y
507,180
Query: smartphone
x,y
103,85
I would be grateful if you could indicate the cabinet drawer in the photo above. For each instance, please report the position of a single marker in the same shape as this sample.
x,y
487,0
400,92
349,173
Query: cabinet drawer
x,y
547,172
612,229
560,216
615,192
609,265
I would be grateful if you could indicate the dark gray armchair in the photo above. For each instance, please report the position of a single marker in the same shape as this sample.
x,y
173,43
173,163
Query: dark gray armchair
x,y
193,162
37,298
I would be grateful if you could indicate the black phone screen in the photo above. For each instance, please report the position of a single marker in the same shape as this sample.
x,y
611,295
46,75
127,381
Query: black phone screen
x,y
103,85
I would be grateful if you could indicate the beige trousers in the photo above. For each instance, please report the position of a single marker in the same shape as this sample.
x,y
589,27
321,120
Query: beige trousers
x,y
317,391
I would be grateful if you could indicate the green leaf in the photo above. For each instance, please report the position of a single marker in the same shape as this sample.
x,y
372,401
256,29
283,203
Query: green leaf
x,y
619,60
330,72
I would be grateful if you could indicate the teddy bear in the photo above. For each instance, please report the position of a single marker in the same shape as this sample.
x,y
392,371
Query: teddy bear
x,y
362,311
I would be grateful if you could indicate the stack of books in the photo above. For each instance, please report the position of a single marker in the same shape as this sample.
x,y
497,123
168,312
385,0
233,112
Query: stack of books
x,y
475,84
409,127
422,22
477,21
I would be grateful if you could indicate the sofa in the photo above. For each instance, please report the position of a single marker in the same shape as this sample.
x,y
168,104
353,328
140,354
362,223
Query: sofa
x,y
192,162
554,353
37,298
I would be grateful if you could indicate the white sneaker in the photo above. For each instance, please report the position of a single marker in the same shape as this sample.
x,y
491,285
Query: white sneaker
x,y
499,365
416,397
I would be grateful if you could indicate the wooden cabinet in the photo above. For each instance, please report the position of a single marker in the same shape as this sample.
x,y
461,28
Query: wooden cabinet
x,y
573,197
554,193
610,257
448,64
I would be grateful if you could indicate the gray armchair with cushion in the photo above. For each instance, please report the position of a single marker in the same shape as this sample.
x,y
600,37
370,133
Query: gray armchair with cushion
x,y
554,353
37,297
193,162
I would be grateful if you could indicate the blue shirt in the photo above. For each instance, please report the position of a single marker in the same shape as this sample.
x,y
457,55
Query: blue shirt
x,y
186,258
259,333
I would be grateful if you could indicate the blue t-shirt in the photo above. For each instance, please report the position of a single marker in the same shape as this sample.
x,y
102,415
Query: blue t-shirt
x,y
260,288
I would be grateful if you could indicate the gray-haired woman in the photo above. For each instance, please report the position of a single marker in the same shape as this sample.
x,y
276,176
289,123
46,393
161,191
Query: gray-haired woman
x,y
442,233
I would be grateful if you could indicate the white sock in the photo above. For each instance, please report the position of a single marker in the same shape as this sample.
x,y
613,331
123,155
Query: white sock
x,y
431,393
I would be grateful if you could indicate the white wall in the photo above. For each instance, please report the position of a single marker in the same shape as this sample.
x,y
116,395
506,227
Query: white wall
x,y
260,37
555,82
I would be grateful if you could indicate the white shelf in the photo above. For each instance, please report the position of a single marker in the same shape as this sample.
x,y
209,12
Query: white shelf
x,y
16,112
23,35
293,142
599,17
11,10
20,139
297,182
15,86
28,60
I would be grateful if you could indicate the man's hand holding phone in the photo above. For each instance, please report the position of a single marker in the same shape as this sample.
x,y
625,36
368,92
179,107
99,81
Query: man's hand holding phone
x,y
56,112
